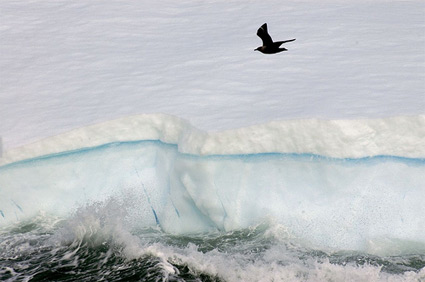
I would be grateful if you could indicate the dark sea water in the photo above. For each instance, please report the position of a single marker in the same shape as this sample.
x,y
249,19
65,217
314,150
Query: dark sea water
x,y
77,249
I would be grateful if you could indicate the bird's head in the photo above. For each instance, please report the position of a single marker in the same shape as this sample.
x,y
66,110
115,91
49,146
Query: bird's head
x,y
258,49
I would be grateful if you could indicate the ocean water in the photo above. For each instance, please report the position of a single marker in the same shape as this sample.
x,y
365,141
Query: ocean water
x,y
144,210
38,250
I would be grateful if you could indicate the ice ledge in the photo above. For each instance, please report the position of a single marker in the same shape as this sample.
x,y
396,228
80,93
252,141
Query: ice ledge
x,y
402,136
160,127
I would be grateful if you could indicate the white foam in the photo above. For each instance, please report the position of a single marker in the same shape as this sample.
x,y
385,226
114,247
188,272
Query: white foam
x,y
396,136
275,265
104,223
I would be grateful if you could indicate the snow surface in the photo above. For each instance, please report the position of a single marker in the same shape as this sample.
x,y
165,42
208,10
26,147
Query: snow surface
x,y
392,137
66,64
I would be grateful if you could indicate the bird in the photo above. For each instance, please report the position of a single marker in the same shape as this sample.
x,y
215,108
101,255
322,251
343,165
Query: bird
x,y
269,47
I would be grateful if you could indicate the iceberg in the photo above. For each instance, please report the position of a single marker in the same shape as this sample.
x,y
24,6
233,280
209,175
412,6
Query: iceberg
x,y
333,184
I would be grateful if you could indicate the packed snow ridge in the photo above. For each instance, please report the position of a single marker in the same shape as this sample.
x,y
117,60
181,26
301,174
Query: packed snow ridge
x,y
402,136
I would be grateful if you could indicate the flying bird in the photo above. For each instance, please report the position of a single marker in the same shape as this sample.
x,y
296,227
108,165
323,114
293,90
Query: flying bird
x,y
269,47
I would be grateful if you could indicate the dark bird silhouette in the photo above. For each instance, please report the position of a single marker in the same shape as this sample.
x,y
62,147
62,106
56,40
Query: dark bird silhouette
x,y
269,47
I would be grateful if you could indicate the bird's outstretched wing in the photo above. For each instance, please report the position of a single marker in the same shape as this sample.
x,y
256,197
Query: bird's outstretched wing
x,y
278,43
264,35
